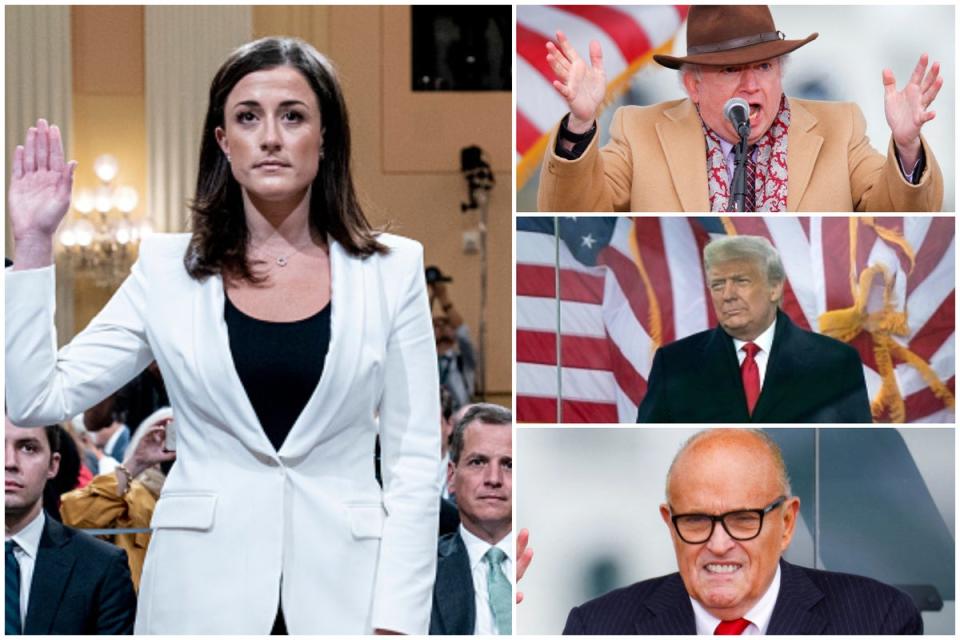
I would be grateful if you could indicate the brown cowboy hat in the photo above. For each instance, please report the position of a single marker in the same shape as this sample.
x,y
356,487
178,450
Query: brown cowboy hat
x,y
732,35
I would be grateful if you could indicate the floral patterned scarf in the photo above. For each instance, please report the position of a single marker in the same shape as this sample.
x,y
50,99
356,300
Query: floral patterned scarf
x,y
771,163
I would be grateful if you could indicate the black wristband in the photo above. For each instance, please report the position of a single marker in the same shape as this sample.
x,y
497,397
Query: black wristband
x,y
570,136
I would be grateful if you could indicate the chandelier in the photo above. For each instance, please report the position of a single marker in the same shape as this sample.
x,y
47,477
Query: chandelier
x,y
101,240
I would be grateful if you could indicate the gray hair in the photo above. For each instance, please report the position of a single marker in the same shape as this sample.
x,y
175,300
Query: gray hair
x,y
773,448
756,249
480,412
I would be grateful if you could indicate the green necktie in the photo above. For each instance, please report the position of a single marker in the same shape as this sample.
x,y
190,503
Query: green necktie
x,y
500,591
11,575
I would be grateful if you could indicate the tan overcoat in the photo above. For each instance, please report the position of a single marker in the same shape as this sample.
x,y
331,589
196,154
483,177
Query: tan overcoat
x,y
656,161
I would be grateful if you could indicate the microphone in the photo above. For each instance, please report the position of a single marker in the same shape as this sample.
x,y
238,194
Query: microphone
x,y
737,111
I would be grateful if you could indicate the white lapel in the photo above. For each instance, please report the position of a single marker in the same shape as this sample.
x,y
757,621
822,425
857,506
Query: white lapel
x,y
211,344
223,384
348,296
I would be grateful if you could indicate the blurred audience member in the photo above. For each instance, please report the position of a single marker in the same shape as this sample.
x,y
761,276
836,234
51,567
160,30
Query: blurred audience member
x,y
446,432
68,475
126,497
455,353
106,423
76,584
473,592
144,395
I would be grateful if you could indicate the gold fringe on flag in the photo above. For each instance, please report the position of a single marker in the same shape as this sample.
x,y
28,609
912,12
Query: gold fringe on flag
x,y
654,318
882,325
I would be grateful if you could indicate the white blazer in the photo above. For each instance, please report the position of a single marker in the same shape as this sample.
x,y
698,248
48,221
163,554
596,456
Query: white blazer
x,y
239,523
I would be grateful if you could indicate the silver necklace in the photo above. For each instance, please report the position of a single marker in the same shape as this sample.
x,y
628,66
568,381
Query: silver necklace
x,y
283,261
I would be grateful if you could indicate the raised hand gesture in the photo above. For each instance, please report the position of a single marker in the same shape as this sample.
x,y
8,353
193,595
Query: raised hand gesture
x,y
906,110
39,194
150,449
582,86
524,556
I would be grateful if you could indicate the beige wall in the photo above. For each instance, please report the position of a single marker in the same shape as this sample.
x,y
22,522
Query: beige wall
x,y
406,145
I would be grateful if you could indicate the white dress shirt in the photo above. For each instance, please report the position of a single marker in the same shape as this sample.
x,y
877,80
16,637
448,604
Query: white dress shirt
x,y
27,543
758,616
476,549
765,342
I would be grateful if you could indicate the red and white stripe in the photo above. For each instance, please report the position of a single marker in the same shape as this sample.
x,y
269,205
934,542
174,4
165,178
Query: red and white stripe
x,y
627,35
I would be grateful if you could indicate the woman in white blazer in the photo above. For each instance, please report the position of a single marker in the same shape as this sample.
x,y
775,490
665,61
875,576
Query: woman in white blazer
x,y
256,529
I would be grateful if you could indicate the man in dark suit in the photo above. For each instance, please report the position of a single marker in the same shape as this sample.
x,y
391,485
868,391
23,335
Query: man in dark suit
x,y
731,515
58,580
473,591
756,366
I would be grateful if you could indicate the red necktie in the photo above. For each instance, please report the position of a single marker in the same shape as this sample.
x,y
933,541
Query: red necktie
x,y
732,627
750,374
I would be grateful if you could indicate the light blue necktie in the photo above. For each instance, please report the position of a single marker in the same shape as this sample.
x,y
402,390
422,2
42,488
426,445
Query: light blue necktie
x,y
11,578
500,591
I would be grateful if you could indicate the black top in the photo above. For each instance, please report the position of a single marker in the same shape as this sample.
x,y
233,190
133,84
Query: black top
x,y
279,364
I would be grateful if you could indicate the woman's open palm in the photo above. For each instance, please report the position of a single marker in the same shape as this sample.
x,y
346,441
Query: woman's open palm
x,y
41,183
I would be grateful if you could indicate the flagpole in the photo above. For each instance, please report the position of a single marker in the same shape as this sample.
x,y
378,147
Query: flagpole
x,y
556,263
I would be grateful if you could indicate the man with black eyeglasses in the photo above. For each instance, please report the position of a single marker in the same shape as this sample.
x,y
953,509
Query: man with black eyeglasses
x,y
731,515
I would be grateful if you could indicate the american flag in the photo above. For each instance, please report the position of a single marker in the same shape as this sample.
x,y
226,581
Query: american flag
x,y
629,36
628,285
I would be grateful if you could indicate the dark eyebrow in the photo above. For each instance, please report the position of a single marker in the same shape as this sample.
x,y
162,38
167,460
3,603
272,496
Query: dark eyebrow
x,y
285,103
28,440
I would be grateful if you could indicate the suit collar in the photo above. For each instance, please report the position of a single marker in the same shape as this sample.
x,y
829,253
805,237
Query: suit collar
x,y
803,147
783,363
681,140
667,610
223,384
720,363
454,596
28,538
720,359
51,573
795,612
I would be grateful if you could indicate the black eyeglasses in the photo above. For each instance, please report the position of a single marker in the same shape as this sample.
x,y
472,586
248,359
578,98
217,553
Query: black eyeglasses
x,y
696,528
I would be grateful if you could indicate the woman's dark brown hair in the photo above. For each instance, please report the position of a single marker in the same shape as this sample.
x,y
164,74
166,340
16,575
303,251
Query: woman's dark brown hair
x,y
220,234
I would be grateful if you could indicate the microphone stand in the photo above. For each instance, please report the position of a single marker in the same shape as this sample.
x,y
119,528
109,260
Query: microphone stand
x,y
740,169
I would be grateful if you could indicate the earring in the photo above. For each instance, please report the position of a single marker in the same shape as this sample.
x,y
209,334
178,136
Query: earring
x,y
321,154
228,158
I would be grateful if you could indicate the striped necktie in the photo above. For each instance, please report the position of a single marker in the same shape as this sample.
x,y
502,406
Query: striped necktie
x,y
11,579
500,591
750,182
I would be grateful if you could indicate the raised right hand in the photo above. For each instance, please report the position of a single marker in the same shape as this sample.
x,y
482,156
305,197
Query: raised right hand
x,y
40,186
582,86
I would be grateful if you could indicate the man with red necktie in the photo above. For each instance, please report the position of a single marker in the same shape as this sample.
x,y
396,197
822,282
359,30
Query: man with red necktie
x,y
731,515
756,366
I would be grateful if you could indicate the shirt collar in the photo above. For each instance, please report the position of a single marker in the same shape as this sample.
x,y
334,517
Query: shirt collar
x,y
115,437
476,548
28,538
764,340
759,615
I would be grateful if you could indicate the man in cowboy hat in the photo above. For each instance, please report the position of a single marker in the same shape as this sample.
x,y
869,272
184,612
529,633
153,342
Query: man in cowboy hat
x,y
679,155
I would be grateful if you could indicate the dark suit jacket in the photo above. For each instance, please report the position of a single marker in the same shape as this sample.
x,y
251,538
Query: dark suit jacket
x,y
810,602
454,602
80,585
449,517
809,378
